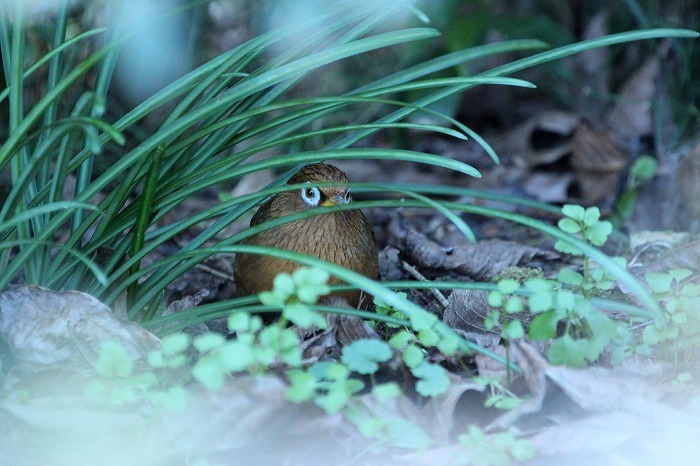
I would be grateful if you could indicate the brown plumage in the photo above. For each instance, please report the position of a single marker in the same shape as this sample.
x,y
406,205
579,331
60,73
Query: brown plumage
x,y
345,238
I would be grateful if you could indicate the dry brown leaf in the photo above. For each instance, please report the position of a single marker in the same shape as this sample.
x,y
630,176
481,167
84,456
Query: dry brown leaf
x,y
320,345
626,438
597,163
684,257
631,116
352,328
450,454
186,302
342,330
436,418
481,261
466,311
593,434
212,274
557,125
390,264
533,366
439,415
646,239
547,186
593,390
45,329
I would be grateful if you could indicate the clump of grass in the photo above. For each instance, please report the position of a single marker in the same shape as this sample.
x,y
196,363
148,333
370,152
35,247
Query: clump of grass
x,y
221,114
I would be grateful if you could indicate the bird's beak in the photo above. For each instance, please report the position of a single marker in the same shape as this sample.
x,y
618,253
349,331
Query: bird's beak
x,y
336,199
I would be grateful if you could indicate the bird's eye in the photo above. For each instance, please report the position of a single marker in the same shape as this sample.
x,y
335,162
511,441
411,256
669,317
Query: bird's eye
x,y
347,197
311,196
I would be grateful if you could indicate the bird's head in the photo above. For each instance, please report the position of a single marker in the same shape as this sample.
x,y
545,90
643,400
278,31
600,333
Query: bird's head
x,y
314,196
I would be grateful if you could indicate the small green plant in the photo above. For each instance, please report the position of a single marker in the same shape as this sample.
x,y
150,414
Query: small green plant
x,y
384,309
500,397
504,316
254,349
506,305
118,382
331,385
562,308
584,223
580,331
680,300
586,331
642,170
294,293
501,449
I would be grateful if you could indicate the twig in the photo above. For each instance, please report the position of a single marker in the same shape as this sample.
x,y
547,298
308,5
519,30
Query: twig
x,y
418,276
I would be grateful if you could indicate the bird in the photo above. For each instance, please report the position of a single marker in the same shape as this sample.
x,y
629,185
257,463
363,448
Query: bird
x,y
344,237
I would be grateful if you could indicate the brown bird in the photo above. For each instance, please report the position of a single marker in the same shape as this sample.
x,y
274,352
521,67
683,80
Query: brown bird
x,y
344,238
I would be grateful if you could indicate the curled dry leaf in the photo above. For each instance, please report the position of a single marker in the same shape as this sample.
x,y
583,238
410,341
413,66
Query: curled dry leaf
x,y
597,390
450,454
597,162
643,240
45,329
631,117
436,418
187,302
555,127
632,423
212,275
182,304
466,311
634,438
533,366
548,187
683,257
659,205
481,261
342,330
252,420
439,415
352,328
603,390
390,264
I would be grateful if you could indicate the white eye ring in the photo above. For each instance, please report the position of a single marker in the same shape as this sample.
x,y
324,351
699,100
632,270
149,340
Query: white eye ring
x,y
311,195
347,196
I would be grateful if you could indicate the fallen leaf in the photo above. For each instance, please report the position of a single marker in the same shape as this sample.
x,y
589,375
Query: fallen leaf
x,y
390,264
466,311
212,274
597,163
45,329
553,127
548,187
439,415
631,118
684,257
646,239
642,437
480,261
